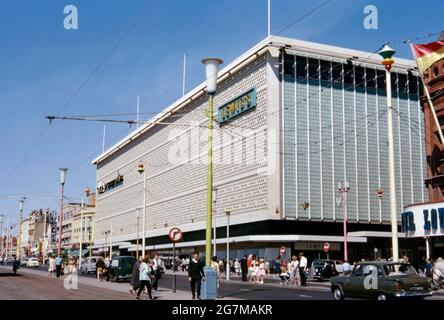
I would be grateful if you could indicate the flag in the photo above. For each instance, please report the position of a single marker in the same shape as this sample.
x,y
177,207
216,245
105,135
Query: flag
x,y
427,54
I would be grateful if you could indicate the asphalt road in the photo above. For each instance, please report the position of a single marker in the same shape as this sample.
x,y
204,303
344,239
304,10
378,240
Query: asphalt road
x,y
39,286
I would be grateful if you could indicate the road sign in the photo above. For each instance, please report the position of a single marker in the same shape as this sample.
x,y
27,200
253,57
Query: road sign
x,y
282,251
326,247
175,235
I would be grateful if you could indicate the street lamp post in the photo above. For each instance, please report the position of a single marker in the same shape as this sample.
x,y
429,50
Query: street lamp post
x,y
343,189
63,172
137,240
211,70
81,234
227,268
214,222
111,241
19,251
387,53
141,169
2,216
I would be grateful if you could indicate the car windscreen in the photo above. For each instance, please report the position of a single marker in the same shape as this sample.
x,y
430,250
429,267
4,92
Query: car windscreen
x,y
397,269
319,264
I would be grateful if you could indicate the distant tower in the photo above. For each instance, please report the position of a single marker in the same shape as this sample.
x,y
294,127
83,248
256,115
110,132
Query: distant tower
x,y
434,80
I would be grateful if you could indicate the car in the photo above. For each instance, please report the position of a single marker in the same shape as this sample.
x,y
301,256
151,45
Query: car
x,y
33,262
121,268
382,281
323,269
89,264
24,262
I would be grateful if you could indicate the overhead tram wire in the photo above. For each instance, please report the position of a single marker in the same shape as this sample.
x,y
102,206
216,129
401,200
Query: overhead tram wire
x,y
65,105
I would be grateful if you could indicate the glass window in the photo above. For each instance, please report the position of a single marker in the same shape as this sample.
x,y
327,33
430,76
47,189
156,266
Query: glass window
x,y
301,64
413,84
371,74
381,79
359,75
348,73
357,271
289,64
325,70
337,72
402,83
397,269
115,263
313,65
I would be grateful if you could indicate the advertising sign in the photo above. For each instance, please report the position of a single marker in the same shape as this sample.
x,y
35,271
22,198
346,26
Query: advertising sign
x,y
237,106
423,220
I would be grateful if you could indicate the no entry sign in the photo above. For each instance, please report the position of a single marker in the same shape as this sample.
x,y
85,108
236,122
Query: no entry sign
x,y
326,247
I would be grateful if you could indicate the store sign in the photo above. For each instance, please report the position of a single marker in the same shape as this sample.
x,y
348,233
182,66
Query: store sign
x,y
316,246
102,187
237,106
424,220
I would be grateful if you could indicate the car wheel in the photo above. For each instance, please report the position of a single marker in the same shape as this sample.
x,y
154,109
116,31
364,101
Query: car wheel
x,y
337,294
381,296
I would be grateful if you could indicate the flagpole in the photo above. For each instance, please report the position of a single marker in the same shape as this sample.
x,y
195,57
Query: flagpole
x,y
429,100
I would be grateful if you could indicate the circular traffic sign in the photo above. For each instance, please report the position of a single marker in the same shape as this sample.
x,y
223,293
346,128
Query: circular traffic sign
x,y
175,235
326,247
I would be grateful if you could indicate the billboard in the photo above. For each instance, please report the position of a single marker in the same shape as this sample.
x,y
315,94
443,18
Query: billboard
x,y
423,220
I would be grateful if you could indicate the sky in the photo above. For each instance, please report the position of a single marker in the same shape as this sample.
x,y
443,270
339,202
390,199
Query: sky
x,y
48,70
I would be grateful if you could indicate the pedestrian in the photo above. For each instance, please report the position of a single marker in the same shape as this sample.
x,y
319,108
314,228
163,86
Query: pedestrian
x,y
346,268
158,267
52,266
294,271
244,268
195,275
100,268
58,265
215,266
221,265
237,267
429,268
254,268
261,272
303,265
145,278
15,264
135,281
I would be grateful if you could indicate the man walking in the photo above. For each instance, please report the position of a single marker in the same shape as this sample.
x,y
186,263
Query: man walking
x,y
135,281
346,268
244,268
303,264
58,265
157,268
195,275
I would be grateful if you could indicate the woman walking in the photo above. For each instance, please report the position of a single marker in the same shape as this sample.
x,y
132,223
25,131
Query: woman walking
x,y
215,266
144,277
237,267
52,266
261,272
135,282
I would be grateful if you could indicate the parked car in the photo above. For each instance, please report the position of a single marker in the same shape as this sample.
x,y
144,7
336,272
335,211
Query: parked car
x,y
381,280
89,264
33,262
323,269
121,268
24,262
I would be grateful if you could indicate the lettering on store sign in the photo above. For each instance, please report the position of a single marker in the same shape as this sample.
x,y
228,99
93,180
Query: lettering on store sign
x,y
237,106
102,187
423,220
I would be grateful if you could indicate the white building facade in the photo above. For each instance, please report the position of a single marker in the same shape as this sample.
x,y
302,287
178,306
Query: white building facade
x,y
293,119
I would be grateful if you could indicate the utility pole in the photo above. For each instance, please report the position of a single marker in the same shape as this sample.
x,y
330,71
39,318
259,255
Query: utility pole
x,y
342,201
81,233
387,54
19,238
2,216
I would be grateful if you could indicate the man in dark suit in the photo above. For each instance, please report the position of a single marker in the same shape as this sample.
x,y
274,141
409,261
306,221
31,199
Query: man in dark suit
x,y
195,275
244,268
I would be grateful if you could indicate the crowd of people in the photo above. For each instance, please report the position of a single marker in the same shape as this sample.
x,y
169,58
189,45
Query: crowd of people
x,y
145,276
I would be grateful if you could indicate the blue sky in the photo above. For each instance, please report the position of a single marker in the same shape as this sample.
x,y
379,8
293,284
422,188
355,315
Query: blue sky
x,y
42,65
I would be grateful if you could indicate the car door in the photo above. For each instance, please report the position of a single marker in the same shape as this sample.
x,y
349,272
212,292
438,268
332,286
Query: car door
x,y
372,275
352,282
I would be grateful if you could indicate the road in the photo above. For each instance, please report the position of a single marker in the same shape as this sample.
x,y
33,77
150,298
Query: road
x,y
35,284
